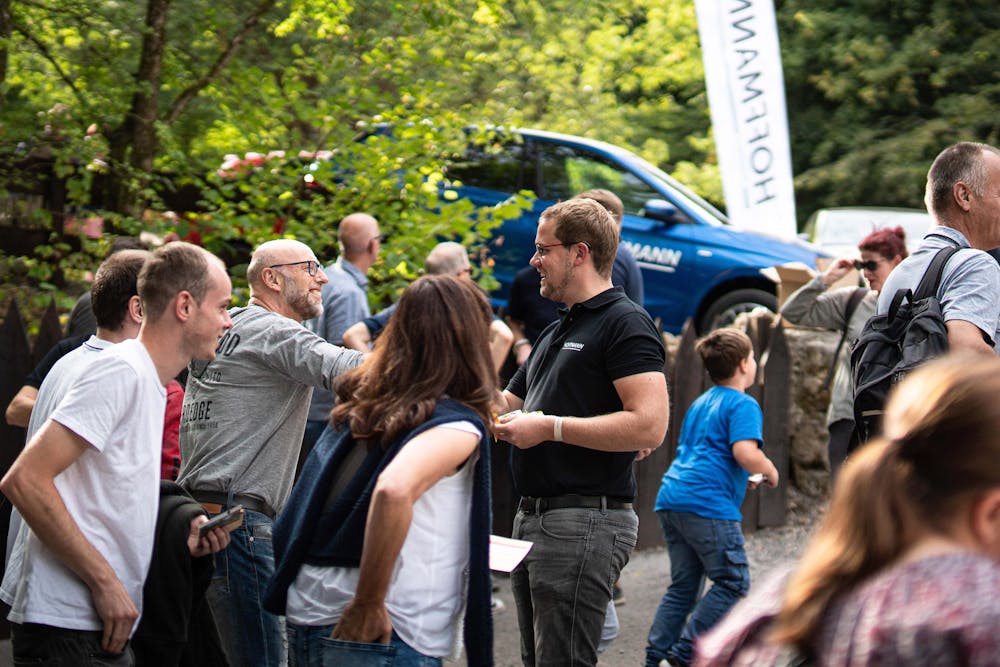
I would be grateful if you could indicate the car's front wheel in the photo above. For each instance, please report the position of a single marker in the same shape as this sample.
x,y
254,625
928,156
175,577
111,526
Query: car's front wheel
x,y
723,311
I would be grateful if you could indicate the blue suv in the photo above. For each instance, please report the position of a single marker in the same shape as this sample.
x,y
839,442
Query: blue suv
x,y
694,262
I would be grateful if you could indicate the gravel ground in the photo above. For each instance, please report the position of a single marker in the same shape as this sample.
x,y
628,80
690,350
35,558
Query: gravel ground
x,y
646,577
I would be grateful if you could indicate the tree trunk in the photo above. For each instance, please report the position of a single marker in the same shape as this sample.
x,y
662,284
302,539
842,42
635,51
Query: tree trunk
x,y
5,31
133,144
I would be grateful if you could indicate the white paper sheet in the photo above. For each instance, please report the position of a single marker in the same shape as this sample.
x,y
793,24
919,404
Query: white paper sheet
x,y
506,553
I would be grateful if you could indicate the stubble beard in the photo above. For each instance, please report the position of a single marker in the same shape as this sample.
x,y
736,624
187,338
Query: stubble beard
x,y
557,292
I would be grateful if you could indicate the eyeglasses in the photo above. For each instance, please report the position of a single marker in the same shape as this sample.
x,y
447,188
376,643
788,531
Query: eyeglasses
x,y
381,238
542,250
312,266
466,271
867,265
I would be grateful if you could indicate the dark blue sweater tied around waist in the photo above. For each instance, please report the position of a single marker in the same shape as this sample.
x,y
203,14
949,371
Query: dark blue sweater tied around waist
x,y
315,529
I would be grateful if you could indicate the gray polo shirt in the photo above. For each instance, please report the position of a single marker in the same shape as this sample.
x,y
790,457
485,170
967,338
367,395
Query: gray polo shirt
x,y
970,283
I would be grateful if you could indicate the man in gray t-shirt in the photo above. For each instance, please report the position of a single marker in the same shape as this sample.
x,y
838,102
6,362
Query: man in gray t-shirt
x,y
963,196
241,429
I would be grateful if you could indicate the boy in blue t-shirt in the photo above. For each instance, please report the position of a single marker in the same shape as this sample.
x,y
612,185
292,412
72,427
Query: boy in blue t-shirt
x,y
700,497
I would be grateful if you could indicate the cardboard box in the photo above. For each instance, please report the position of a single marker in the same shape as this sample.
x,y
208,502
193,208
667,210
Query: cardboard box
x,y
790,277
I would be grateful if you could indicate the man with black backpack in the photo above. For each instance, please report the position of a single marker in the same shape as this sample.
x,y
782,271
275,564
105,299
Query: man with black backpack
x,y
927,307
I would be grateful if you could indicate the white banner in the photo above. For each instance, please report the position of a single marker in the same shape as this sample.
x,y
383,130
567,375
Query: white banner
x,y
746,95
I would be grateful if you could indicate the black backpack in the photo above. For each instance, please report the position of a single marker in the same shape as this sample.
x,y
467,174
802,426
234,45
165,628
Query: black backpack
x,y
910,333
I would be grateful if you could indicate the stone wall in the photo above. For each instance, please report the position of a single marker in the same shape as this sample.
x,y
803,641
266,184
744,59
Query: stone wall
x,y
811,351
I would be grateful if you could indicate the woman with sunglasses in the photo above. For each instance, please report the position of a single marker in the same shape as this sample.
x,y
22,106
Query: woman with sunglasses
x,y
383,543
905,568
816,305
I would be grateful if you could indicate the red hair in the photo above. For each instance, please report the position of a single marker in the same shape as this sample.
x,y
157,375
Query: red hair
x,y
886,242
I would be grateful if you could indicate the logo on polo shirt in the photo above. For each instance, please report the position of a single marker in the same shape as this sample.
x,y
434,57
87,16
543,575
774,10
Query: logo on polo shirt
x,y
576,347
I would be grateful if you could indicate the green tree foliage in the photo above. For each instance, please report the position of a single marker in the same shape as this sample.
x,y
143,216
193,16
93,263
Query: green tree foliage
x,y
877,89
112,106
159,92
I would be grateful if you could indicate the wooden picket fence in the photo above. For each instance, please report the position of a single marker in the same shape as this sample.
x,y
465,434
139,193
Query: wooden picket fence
x,y
686,379
17,357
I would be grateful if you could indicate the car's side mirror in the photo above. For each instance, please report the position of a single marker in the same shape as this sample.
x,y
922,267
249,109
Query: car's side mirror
x,y
660,209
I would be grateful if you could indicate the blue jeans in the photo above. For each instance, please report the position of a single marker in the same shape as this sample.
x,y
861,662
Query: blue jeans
x,y
251,636
37,644
563,586
311,646
699,548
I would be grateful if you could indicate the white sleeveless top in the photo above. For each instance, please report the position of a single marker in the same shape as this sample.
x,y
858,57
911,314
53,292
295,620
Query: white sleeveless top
x,y
426,596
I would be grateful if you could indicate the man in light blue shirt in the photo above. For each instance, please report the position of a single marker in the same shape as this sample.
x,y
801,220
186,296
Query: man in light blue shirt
x,y
963,196
345,301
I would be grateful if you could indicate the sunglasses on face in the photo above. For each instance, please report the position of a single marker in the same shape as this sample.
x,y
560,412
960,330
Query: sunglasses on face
x,y
867,265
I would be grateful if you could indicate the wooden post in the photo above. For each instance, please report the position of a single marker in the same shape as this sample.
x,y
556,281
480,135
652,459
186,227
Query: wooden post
x,y
776,402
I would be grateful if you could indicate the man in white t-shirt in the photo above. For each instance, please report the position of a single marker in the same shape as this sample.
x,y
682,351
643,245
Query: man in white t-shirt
x,y
115,306
87,484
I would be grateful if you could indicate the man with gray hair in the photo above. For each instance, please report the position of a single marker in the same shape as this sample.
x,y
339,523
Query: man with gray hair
x,y
345,301
963,197
241,430
446,258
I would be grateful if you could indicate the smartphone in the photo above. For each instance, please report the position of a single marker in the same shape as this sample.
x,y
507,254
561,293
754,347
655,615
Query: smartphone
x,y
232,516
756,478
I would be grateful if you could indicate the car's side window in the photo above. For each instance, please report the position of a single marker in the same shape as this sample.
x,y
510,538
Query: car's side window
x,y
493,168
565,171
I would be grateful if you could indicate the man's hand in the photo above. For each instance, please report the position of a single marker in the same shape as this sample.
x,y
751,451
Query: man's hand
x,y
364,622
643,453
118,613
213,541
525,430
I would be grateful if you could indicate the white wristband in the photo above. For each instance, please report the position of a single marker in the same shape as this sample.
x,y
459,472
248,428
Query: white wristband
x,y
557,430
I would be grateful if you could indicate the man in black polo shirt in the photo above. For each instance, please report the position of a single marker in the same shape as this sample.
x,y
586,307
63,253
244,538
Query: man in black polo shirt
x,y
593,394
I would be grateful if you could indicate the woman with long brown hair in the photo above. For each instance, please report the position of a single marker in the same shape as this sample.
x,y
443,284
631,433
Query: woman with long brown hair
x,y
387,531
905,569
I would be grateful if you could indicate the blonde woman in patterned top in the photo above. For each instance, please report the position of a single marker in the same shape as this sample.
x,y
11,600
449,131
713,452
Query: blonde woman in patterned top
x,y
905,569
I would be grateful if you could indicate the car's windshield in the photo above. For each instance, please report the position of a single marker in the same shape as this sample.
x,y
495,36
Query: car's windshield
x,y
850,227
716,216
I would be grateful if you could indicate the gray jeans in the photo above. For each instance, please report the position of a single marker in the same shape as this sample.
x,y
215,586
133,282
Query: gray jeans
x,y
563,586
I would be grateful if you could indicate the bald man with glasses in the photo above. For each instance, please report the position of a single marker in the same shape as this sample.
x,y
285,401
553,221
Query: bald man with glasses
x,y
241,430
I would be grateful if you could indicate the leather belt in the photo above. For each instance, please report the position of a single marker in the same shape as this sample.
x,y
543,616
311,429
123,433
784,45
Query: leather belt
x,y
538,505
216,501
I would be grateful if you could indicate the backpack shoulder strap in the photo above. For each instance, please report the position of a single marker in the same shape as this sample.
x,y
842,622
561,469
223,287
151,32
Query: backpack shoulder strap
x,y
932,276
852,305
